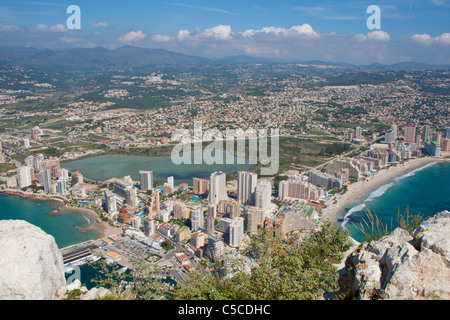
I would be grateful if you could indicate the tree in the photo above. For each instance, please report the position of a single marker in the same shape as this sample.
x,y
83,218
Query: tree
x,y
287,270
167,245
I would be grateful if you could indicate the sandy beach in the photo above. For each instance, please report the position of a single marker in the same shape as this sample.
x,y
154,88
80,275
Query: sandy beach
x,y
103,228
95,223
361,187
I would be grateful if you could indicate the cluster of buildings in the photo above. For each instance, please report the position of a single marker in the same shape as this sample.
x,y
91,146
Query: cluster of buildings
x,y
47,174
415,139
217,221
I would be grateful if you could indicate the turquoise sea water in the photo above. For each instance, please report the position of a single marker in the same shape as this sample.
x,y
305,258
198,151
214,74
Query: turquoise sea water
x,y
61,227
425,190
108,166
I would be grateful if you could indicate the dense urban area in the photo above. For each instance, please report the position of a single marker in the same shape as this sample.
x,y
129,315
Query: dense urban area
x,y
338,125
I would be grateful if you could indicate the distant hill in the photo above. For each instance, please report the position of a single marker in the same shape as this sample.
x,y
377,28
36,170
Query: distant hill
x,y
409,66
95,59
100,59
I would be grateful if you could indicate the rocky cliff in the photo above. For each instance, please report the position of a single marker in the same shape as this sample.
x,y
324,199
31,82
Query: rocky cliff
x,y
31,265
403,267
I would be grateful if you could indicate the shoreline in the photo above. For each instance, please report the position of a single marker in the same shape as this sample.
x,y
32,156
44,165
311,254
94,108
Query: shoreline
x,y
361,187
103,229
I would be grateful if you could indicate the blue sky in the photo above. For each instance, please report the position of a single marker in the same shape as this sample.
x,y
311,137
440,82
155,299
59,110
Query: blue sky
x,y
411,30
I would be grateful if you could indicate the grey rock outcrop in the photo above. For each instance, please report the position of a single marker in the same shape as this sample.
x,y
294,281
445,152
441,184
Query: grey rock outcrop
x,y
31,265
404,267
85,294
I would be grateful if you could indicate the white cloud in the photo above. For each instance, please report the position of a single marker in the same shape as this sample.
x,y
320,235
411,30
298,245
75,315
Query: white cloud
x,y
10,27
426,39
444,39
248,33
133,36
161,38
304,31
376,35
221,32
56,28
183,35
274,30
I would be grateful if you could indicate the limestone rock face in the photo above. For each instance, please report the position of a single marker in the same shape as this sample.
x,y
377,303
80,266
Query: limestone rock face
x,y
404,267
31,265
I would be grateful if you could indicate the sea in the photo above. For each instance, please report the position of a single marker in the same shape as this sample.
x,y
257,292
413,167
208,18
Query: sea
x,y
62,227
424,191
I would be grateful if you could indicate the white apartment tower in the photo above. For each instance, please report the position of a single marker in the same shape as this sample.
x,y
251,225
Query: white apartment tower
x,y
110,203
263,194
246,187
146,180
217,187
198,218
236,232
24,176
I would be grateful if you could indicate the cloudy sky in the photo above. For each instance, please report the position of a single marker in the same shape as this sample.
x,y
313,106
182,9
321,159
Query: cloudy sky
x,y
331,30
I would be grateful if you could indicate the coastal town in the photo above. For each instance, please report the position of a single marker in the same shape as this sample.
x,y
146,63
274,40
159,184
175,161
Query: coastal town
x,y
225,158
339,137
209,222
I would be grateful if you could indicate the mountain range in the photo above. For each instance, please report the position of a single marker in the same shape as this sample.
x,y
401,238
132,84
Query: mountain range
x,y
128,57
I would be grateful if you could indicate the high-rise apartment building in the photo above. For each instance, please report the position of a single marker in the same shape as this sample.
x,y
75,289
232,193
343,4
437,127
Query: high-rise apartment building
x,y
394,130
24,176
77,177
215,248
217,187
209,224
389,137
36,134
149,226
236,232
121,185
110,202
180,211
131,197
436,137
426,133
61,186
212,210
146,180
47,179
447,133
200,186
198,218
410,133
170,181
246,187
251,219
153,205
229,207
445,145
358,133
298,189
263,194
